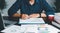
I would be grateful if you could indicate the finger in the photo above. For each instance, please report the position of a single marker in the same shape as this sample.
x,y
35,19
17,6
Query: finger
x,y
23,17
43,15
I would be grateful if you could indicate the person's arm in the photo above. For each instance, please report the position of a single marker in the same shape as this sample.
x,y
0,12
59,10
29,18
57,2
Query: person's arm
x,y
49,10
34,15
16,15
13,10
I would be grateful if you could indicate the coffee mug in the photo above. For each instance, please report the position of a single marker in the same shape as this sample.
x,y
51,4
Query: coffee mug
x,y
51,17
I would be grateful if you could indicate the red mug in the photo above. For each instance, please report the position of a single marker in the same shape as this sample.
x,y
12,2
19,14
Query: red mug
x,y
51,17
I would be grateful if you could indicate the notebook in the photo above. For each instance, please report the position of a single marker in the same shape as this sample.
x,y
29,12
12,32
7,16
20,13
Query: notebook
x,y
32,21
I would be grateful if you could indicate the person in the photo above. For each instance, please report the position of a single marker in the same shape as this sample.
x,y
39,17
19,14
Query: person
x,y
30,9
2,6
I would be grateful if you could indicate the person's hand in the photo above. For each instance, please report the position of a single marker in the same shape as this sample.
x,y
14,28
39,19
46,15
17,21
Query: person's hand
x,y
34,15
43,15
24,16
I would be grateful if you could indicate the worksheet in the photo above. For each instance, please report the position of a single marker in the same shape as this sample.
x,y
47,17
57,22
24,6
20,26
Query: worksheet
x,y
12,29
32,21
42,28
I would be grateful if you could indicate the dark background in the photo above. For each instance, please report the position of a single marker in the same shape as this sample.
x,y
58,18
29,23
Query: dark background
x,y
57,4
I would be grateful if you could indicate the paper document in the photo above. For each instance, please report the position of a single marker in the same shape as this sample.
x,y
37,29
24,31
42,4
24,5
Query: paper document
x,y
57,18
32,21
44,28
29,28
12,29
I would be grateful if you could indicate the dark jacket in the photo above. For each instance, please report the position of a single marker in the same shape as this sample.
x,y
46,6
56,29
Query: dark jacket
x,y
26,8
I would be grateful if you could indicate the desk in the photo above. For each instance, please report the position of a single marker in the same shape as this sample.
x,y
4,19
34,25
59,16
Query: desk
x,y
29,28
9,20
16,19
49,22
13,19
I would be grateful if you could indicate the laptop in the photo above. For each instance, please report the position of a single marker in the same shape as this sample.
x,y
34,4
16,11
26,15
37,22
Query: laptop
x,y
32,21
1,23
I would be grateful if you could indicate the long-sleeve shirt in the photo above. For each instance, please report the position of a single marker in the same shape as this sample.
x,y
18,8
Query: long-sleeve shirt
x,y
27,8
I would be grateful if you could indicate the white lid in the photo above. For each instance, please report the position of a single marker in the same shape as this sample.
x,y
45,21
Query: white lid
x,y
51,15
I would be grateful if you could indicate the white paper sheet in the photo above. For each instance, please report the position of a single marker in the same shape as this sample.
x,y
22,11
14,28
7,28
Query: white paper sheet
x,y
21,29
57,18
12,29
29,28
32,20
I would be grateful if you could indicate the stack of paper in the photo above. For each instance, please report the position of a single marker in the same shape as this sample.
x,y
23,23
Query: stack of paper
x,y
57,17
32,21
